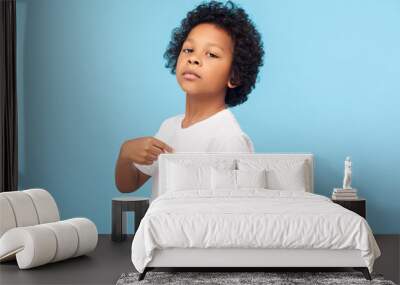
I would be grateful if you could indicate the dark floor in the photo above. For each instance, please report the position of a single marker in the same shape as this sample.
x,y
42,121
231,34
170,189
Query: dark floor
x,y
111,259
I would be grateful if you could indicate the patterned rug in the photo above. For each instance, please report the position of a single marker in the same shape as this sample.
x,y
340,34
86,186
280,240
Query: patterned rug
x,y
270,278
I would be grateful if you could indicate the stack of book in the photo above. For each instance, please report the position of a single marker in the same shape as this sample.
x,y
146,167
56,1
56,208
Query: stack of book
x,y
344,194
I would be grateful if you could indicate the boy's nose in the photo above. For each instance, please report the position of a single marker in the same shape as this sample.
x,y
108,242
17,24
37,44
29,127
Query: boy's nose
x,y
193,60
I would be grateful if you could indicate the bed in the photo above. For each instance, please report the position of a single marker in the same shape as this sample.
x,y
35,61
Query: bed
x,y
243,210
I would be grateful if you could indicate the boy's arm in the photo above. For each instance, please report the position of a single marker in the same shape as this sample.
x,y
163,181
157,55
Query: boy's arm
x,y
143,150
127,177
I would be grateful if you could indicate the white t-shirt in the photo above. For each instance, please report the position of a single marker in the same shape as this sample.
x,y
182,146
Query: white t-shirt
x,y
218,133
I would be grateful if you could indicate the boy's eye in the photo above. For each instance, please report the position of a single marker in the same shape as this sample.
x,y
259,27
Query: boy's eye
x,y
187,50
212,55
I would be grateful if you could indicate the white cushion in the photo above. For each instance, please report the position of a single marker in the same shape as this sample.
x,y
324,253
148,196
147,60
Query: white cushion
x,y
251,178
87,233
27,208
183,174
31,246
282,174
187,177
67,237
223,179
23,208
7,220
46,243
228,179
45,205
30,230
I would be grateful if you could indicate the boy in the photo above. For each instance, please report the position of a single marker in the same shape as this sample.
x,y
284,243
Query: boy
x,y
216,54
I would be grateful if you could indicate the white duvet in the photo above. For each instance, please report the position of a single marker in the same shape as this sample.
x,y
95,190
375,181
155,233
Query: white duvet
x,y
251,218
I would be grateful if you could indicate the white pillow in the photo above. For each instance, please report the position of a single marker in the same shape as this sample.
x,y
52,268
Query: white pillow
x,y
188,177
223,179
228,179
251,178
282,174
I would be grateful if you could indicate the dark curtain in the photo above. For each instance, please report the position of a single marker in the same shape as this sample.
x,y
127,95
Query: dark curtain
x,y
8,98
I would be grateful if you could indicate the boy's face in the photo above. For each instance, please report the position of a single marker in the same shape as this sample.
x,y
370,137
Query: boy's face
x,y
207,52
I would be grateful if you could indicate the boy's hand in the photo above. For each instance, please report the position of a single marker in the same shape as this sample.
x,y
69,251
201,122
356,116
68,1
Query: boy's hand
x,y
144,150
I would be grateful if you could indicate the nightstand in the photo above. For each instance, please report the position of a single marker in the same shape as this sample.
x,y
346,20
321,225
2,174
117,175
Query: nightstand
x,y
357,206
120,206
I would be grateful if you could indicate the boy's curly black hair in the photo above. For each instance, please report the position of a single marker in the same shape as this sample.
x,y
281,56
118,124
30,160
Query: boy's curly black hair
x,y
248,47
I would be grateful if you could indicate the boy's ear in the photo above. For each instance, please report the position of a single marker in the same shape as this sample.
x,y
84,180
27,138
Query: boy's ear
x,y
233,82
231,85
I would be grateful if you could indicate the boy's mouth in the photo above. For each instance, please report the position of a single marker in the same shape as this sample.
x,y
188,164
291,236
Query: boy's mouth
x,y
190,75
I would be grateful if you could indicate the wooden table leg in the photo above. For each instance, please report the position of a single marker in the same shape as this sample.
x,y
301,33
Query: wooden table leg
x,y
118,222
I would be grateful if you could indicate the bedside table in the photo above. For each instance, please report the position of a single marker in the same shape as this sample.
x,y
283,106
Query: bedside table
x,y
357,206
120,206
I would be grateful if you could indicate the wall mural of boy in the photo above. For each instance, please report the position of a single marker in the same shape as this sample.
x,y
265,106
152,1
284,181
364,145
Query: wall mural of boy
x,y
216,54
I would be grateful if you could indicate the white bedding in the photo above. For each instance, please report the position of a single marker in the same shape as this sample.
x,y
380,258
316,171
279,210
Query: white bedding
x,y
250,218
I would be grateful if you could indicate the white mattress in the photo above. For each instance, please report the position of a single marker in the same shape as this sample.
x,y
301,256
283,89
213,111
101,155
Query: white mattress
x,y
251,218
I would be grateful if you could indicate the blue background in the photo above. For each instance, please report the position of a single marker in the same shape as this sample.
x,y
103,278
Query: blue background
x,y
91,75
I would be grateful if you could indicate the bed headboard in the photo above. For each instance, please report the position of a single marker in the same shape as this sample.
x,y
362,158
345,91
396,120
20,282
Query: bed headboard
x,y
211,157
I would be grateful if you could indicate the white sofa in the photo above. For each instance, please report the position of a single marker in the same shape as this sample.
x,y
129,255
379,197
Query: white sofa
x,y
31,231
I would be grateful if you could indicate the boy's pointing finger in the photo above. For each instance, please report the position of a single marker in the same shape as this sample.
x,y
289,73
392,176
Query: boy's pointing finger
x,y
162,145
169,149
